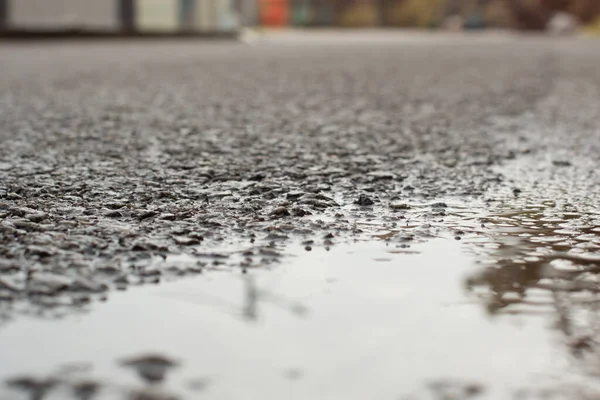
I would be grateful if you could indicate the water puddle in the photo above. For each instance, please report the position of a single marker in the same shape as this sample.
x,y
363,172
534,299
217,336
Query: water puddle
x,y
362,320
536,251
544,260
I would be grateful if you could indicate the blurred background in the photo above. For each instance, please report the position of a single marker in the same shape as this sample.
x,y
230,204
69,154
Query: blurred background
x,y
145,16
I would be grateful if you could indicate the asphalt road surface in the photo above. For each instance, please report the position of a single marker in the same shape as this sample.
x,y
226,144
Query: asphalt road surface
x,y
126,164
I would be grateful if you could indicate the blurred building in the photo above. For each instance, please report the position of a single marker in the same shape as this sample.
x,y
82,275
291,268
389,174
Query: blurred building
x,y
313,13
118,16
536,14
160,16
248,12
351,13
469,14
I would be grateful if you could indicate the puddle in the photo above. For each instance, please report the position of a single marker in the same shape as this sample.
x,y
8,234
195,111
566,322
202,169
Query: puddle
x,y
532,254
544,260
325,324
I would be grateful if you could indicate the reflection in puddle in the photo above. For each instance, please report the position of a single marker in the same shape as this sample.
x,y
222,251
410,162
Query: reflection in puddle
x,y
151,368
374,330
543,260
74,384
534,255
449,390
36,389
249,308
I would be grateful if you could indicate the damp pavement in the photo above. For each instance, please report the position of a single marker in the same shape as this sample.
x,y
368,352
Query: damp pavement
x,y
325,216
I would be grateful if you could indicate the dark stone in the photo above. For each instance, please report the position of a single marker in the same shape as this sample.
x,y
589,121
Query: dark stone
x,y
363,200
561,163
147,214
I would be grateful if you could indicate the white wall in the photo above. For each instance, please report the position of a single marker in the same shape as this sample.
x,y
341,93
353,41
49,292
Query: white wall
x,y
157,15
215,15
205,15
227,16
151,15
61,14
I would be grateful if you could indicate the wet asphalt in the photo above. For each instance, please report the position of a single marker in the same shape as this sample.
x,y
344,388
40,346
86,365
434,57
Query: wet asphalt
x,y
115,156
